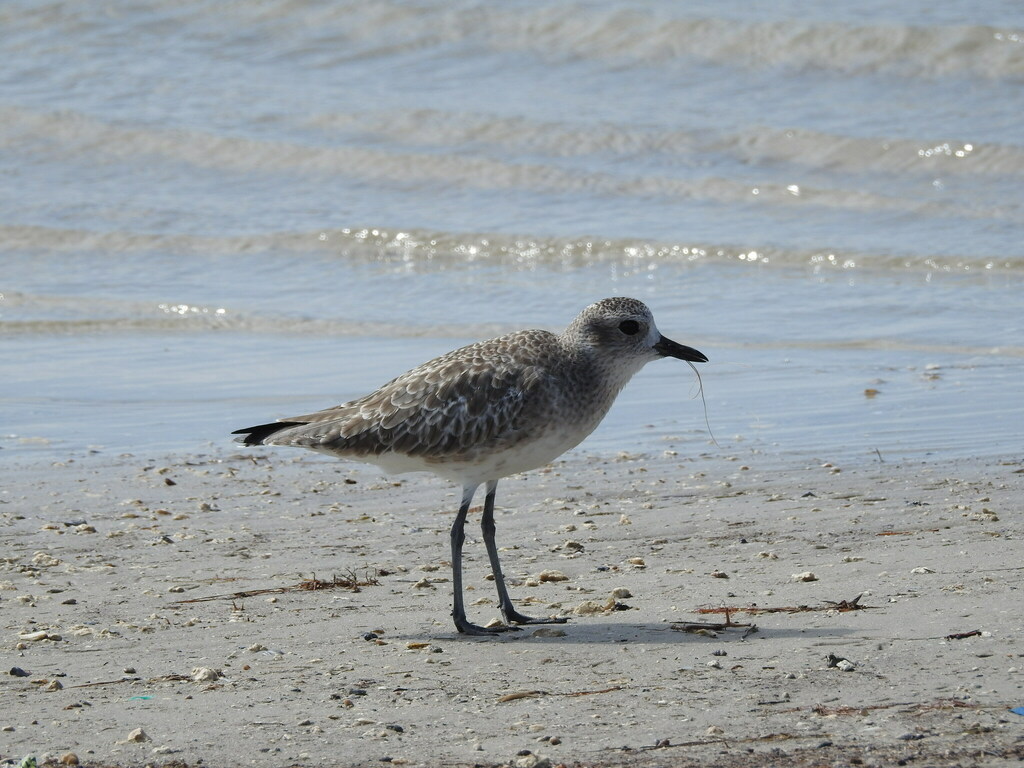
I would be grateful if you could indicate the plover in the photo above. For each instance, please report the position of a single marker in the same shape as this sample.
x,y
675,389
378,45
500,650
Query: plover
x,y
486,411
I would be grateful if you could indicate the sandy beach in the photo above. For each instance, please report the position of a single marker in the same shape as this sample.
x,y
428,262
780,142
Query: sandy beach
x,y
160,611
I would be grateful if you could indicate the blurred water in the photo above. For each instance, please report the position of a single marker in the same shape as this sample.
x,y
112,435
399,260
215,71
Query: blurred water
x,y
218,213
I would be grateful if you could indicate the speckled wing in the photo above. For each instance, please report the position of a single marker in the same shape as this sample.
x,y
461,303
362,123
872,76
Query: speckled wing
x,y
449,407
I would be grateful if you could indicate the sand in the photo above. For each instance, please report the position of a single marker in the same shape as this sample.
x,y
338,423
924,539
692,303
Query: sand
x,y
153,612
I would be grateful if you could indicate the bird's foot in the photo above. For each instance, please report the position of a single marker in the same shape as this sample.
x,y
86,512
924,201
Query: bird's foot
x,y
512,616
466,627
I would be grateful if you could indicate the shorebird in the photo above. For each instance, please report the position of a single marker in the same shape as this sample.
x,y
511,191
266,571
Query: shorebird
x,y
486,411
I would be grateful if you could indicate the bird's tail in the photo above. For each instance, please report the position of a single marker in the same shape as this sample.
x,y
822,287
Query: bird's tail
x,y
257,435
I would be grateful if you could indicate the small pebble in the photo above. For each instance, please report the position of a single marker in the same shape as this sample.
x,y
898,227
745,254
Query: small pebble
x,y
805,576
548,632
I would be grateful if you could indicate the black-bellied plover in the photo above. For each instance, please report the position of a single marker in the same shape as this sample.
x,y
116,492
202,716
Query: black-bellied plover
x,y
489,410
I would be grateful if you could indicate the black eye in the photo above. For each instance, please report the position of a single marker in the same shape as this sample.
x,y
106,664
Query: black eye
x,y
629,327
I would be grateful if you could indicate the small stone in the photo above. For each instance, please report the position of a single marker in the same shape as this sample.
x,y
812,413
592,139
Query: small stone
x,y
54,685
719,575
572,546
256,648
552,576
713,730
176,589
716,664
69,758
548,632
18,672
621,593
637,561
922,569
805,576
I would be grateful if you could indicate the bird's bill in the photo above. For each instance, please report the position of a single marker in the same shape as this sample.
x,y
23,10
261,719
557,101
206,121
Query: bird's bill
x,y
668,348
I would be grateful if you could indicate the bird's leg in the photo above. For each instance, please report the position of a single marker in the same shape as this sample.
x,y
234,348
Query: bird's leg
x,y
504,601
458,536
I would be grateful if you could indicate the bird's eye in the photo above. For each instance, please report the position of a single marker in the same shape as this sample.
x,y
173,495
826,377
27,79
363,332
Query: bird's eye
x,y
629,327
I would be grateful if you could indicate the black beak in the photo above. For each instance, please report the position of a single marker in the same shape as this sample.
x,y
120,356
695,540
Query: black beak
x,y
669,348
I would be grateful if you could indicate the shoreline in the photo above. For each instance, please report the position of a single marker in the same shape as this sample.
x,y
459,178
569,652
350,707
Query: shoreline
x,y
188,571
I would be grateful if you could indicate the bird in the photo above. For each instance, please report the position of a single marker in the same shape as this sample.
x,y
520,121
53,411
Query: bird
x,y
486,411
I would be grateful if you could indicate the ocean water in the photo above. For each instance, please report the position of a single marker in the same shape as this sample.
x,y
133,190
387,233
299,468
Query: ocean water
x,y
213,214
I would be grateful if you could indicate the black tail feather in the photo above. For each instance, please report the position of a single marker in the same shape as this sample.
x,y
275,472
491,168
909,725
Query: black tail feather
x,y
256,435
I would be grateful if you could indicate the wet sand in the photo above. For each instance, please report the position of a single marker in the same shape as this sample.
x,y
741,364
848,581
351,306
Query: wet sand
x,y
158,611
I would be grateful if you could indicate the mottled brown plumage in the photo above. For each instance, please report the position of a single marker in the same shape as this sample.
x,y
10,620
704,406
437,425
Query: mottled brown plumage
x,y
488,410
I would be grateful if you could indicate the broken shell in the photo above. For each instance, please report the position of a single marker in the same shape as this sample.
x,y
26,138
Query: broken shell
x,y
552,575
54,685
621,593
590,607
805,576
205,674
135,737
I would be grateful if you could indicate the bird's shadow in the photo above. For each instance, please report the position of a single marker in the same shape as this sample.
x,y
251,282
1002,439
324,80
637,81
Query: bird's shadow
x,y
605,633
